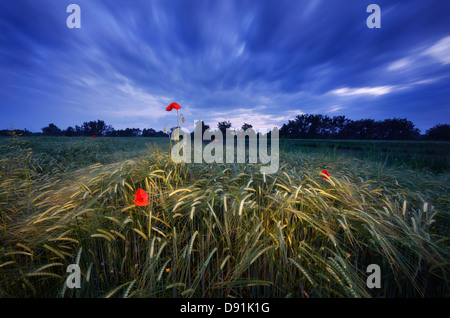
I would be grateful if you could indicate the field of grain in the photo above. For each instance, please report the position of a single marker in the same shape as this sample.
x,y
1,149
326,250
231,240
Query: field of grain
x,y
222,230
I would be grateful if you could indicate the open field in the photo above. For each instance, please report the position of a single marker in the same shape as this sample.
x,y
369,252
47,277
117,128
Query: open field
x,y
223,230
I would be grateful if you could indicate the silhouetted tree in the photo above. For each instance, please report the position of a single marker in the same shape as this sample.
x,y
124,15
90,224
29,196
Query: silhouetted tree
x,y
289,130
223,126
337,125
97,128
108,129
69,132
360,129
51,130
397,129
127,132
246,126
78,131
150,132
438,132
306,126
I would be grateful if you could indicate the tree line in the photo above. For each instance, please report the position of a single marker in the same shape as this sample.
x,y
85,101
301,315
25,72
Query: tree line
x,y
305,126
339,127
88,129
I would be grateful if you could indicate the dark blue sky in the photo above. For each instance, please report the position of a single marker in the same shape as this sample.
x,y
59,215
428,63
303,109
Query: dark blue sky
x,y
258,61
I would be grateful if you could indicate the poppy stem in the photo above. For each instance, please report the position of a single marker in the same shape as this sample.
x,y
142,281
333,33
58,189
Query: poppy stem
x,y
178,123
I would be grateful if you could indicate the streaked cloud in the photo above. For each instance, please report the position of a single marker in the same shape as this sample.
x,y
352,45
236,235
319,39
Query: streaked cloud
x,y
440,50
333,109
260,62
400,64
373,91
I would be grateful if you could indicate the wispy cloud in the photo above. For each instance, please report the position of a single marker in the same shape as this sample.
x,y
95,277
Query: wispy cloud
x,y
371,91
333,109
400,64
440,50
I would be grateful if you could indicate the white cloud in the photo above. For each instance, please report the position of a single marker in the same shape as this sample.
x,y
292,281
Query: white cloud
x,y
399,64
374,91
441,50
335,108
426,81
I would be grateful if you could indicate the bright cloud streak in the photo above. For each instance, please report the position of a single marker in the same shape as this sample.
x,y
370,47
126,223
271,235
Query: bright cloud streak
x,y
441,50
373,91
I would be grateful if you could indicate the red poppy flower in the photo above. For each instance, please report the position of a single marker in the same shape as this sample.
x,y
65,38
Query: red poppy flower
x,y
173,106
326,173
141,198
93,136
